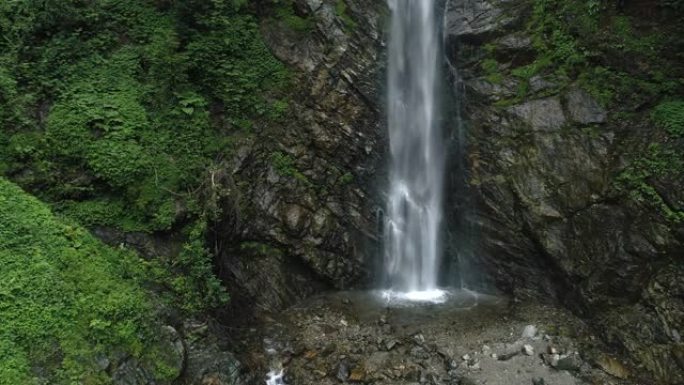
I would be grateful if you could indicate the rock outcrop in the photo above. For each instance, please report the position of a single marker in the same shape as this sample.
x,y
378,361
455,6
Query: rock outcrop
x,y
304,217
548,218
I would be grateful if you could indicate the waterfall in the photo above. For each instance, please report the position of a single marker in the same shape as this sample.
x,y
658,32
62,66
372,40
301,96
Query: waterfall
x,y
414,204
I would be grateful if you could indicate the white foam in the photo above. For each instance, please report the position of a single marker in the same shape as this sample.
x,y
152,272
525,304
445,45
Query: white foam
x,y
427,296
275,378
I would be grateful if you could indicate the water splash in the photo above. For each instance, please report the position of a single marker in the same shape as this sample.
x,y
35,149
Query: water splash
x,y
275,378
414,207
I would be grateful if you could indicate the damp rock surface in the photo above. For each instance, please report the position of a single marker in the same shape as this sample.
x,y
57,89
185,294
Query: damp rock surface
x,y
355,337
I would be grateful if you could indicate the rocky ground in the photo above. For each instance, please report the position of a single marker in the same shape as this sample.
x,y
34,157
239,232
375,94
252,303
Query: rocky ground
x,y
354,337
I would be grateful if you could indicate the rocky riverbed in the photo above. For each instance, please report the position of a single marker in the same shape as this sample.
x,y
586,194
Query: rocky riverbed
x,y
360,337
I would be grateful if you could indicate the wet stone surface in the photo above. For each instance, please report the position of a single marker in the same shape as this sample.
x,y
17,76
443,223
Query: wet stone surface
x,y
356,338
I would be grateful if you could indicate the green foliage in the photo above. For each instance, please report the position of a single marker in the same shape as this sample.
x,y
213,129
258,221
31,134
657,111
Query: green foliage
x,y
125,91
670,116
285,166
343,14
232,64
260,249
64,297
284,11
491,70
194,284
346,178
636,179
555,39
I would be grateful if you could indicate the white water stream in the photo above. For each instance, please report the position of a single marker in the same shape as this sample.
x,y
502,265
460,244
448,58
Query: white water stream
x,y
414,205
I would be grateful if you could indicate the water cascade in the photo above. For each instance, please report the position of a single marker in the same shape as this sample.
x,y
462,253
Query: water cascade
x,y
414,206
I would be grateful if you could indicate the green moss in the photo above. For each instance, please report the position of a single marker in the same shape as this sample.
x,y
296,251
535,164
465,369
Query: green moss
x,y
260,249
670,116
285,11
343,14
491,70
64,297
346,178
285,166
130,89
658,162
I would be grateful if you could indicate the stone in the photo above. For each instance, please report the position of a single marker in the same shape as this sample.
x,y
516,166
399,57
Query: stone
x,y
583,108
541,114
390,344
529,332
528,350
571,363
342,372
357,374
538,381
465,357
551,359
476,21
515,41
613,367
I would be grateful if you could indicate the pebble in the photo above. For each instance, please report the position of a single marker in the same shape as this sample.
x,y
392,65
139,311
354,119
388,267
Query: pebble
x,y
465,357
528,350
389,344
529,332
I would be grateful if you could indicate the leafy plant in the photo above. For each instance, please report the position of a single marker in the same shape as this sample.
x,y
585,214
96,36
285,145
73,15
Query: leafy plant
x,y
670,115
65,298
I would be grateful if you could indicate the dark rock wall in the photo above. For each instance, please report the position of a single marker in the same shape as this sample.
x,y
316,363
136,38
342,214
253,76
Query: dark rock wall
x,y
546,218
305,215
532,206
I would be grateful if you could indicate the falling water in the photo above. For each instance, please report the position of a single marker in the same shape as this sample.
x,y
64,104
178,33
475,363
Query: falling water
x,y
414,207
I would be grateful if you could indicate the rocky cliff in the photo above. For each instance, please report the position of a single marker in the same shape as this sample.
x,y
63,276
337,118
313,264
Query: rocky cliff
x,y
573,198
304,218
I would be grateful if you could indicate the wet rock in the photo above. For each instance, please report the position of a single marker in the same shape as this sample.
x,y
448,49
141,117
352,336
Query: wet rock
x,y
342,372
571,363
515,41
508,356
467,381
390,344
207,360
357,374
613,367
583,108
541,114
476,21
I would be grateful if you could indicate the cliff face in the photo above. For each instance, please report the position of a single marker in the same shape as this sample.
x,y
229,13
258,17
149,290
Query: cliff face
x,y
554,212
563,183
305,217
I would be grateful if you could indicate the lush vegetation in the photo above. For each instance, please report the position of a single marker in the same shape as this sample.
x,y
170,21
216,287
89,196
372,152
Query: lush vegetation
x,y
115,113
66,299
114,110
